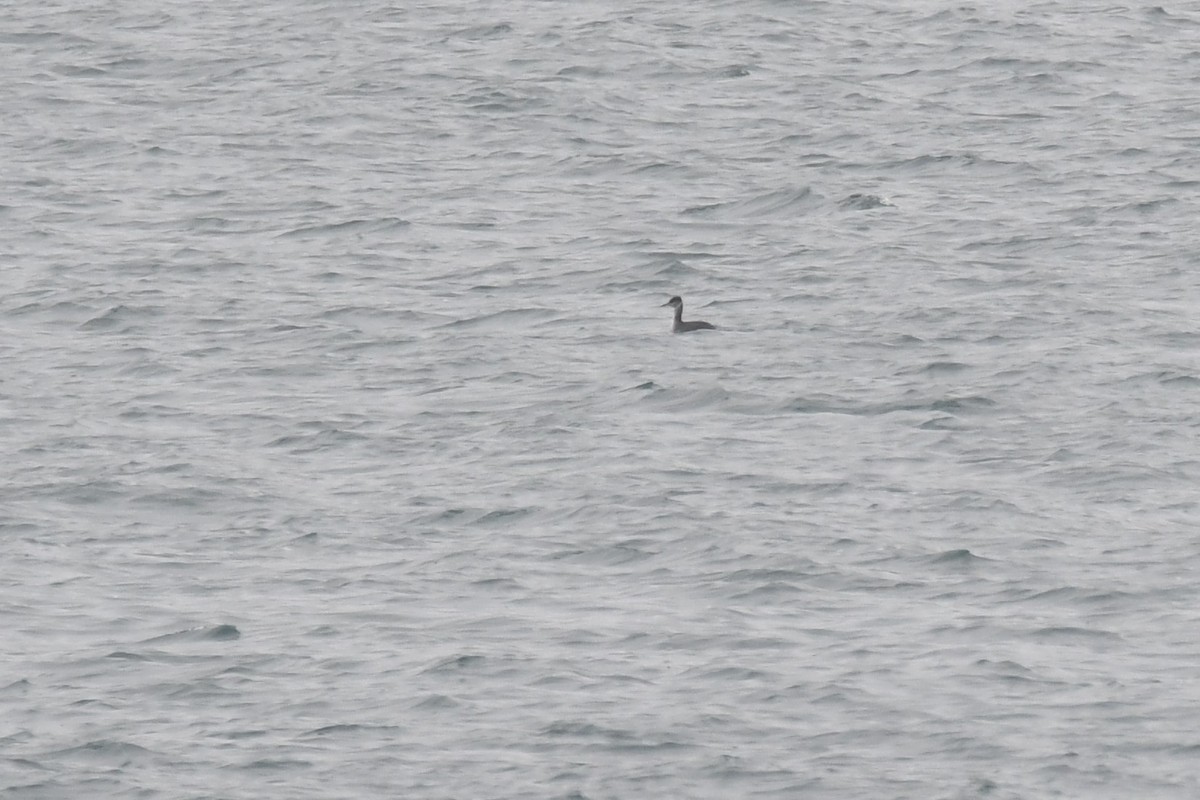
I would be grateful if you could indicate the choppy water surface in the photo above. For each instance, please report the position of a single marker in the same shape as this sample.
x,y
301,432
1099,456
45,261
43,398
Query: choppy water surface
x,y
348,452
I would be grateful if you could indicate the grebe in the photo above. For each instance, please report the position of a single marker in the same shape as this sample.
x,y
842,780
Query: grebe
x,y
692,325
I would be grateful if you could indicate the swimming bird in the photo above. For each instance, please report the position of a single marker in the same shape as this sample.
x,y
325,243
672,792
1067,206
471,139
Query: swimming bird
x,y
692,325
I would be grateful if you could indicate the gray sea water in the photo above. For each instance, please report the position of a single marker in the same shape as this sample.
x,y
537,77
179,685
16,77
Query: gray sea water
x,y
347,451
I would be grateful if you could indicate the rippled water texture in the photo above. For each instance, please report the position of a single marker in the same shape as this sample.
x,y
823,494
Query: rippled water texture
x,y
348,452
